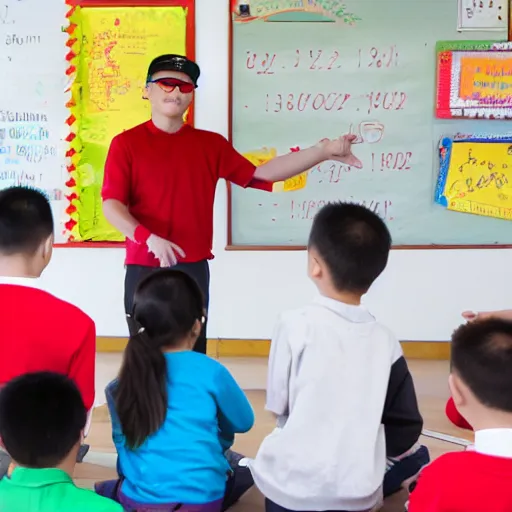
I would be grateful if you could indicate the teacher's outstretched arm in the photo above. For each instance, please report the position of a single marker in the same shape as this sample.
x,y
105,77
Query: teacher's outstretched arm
x,y
286,166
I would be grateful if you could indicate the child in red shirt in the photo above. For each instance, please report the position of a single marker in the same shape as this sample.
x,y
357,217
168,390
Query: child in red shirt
x,y
39,332
481,387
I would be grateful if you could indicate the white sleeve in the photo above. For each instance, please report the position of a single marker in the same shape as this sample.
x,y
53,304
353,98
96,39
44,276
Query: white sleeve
x,y
279,371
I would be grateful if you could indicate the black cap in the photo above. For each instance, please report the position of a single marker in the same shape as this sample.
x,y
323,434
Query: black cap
x,y
173,62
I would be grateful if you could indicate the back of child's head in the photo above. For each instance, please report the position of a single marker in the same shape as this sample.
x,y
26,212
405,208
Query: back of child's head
x,y
42,417
481,356
26,221
168,310
353,243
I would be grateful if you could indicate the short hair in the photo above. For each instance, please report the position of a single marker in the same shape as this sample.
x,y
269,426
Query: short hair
x,y
26,220
42,416
481,355
353,242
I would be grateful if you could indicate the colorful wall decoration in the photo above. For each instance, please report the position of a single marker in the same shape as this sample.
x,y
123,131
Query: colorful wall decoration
x,y
110,51
476,175
244,11
474,79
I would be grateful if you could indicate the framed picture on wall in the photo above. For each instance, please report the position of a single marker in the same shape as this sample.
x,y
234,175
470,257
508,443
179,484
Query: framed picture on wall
x,y
483,15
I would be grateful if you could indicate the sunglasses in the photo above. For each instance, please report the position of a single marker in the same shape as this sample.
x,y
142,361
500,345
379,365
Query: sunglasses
x,y
169,84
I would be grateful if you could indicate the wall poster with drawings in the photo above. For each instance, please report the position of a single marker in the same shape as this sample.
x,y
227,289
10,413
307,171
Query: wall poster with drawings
x,y
69,84
32,101
111,47
483,14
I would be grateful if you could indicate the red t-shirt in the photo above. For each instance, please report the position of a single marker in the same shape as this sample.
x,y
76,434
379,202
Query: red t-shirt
x,y
464,482
39,332
168,182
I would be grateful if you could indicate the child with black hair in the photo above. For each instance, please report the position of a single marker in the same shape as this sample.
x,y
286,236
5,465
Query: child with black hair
x,y
481,387
451,410
42,418
69,346
174,411
338,382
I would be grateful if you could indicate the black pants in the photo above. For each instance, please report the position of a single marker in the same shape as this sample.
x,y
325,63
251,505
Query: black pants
x,y
200,271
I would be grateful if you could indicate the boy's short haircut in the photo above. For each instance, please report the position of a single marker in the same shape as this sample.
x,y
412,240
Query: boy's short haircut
x,y
42,417
481,355
353,242
26,220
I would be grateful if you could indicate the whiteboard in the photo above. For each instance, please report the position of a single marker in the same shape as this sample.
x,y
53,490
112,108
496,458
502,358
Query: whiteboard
x,y
32,99
375,78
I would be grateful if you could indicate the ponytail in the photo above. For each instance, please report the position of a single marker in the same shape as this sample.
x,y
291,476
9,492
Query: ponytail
x,y
141,396
167,304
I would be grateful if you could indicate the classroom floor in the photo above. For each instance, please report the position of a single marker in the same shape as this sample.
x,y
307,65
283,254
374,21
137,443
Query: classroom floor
x,y
431,385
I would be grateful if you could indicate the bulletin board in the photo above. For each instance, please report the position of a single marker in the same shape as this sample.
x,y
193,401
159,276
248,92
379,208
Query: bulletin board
x,y
303,71
110,47
56,122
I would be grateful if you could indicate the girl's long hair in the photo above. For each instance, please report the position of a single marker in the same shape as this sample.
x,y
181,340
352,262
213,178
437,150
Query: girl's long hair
x,y
166,306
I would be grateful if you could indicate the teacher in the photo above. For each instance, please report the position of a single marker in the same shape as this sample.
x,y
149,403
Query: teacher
x,y
160,180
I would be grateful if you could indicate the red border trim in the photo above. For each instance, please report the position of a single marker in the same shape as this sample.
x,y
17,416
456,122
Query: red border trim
x,y
90,245
444,81
190,48
131,3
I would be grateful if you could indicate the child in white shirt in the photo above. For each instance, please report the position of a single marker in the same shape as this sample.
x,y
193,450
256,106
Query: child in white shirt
x,y
338,382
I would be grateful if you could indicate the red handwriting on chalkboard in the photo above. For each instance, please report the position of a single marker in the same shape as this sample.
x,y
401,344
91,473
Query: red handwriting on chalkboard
x,y
331,172
306,101
307,209
378,58
318,59
386,101
399,161
262,65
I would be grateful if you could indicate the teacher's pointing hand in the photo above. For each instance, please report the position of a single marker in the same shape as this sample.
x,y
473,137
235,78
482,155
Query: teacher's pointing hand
x,y
164,251
340,149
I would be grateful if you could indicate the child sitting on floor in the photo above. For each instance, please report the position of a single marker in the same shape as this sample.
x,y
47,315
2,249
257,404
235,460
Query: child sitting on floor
x,y
338,382
42,418
481,387
174,412
451,411
56,336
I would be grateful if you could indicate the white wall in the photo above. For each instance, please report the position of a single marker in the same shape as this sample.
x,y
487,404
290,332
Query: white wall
x,y
420,295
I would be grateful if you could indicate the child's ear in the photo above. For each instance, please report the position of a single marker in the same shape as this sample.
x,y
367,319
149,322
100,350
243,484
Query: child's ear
x,y
196,329
314,266
456,390
145,93
47,248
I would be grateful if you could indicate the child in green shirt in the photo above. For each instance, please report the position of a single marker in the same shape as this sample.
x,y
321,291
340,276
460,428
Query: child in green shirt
x,y
42,418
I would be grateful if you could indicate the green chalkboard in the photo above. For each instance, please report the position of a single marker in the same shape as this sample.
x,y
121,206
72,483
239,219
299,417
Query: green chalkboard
x,y
296,82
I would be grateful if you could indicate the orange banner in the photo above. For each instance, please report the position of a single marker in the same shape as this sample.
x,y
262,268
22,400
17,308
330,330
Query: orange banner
x,y
486,78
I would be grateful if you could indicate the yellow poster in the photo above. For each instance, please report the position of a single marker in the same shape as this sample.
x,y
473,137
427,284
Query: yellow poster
x,y
476,177
114,48
264,155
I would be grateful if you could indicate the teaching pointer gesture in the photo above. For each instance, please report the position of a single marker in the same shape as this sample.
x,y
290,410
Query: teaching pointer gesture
x,y
164,251
340,149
